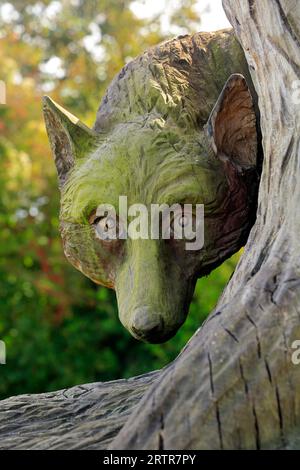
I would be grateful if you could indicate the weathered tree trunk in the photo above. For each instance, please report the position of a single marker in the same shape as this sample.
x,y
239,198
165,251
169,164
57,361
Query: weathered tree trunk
x,y
234,385
82,417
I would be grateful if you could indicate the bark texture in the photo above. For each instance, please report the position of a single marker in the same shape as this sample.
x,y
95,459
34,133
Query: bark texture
x,y
234,385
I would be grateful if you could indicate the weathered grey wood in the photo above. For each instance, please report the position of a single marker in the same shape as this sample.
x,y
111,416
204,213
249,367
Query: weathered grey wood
x,y
234,385
82,417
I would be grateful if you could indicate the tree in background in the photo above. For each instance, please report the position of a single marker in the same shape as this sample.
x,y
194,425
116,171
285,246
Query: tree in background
x,y
59,328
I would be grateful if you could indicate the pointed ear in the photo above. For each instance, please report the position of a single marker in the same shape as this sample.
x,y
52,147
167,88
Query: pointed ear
x,y
69,138
231,127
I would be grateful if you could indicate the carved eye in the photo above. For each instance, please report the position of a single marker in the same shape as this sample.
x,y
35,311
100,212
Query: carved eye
x,y
106,227
183,221
182,225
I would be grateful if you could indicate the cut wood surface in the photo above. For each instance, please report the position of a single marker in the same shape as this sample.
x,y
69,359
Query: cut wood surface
x,y
82,417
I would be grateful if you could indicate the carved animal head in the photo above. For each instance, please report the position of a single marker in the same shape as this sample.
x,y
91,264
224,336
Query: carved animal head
x,y
155,142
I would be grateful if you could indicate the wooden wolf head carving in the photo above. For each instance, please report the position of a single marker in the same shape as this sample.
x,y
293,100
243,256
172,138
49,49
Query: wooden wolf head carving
x,y
176,126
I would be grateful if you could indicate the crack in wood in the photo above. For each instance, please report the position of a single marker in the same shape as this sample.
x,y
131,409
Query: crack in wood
x,y
244,379
280,415
256,335
256,427
230,334
161,445
217,410
268,371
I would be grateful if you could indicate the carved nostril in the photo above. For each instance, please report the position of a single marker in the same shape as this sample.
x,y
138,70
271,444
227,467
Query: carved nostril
x,y
146,332
146,326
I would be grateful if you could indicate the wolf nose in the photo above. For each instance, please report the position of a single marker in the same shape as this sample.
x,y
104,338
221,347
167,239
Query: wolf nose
x,y
145,325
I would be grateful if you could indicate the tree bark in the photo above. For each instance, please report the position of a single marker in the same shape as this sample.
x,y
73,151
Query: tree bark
x,y
234,386
82,417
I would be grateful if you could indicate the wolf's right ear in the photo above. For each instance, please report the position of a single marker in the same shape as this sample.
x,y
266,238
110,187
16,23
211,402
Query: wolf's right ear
x,y
231,127
70,139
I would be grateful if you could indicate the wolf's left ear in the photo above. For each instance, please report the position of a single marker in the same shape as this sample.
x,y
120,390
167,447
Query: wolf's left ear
x,y
70,139
231,127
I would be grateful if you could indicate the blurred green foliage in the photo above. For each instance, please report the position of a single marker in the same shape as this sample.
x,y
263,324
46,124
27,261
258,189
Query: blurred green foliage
x,y
59,328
